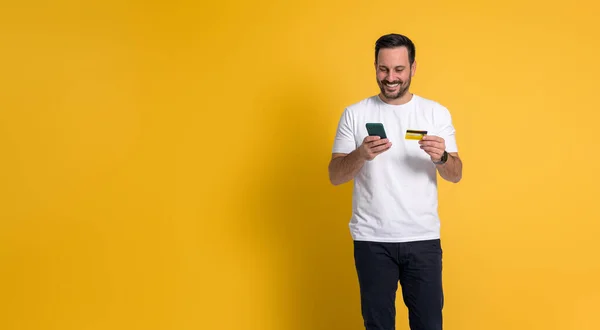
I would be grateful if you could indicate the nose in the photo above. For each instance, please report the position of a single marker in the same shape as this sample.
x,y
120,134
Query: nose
x,y
391,77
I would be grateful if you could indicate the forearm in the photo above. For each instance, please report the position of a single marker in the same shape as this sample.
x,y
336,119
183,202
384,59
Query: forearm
x,y
451,170
345,168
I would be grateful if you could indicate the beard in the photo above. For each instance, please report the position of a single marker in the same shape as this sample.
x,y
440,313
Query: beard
x,y
402,89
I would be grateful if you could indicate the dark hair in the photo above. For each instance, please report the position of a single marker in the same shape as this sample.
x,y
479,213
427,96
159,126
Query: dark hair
x,y
396,40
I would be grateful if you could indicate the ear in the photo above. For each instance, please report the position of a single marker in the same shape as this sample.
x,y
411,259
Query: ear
x,y
413,68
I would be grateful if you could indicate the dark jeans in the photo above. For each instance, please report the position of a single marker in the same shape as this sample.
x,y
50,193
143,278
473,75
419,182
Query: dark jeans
x,y
418,268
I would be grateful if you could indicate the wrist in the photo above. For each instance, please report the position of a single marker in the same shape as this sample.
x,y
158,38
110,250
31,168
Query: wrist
x,y
442,160
361,155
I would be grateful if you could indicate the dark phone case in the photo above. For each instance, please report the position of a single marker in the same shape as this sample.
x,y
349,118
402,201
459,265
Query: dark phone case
x,y
376,129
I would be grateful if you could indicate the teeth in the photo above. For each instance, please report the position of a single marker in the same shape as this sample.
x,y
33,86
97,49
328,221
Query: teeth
x,y
394,85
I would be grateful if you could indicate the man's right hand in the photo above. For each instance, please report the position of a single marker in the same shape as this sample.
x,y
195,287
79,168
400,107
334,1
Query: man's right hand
x,y
373,146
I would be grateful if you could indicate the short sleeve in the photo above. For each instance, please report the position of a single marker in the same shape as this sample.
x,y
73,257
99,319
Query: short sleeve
x,y
445,129
344,138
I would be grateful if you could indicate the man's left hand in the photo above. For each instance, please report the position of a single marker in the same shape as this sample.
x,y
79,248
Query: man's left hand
x,y
434,146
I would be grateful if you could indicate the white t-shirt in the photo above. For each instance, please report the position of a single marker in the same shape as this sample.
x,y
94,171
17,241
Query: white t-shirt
x,y
395,195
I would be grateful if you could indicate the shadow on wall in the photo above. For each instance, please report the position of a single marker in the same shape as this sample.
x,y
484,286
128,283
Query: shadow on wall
x,y
304,219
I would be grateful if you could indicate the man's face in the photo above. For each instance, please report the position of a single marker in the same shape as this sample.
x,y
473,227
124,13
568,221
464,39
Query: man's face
x,y
394,72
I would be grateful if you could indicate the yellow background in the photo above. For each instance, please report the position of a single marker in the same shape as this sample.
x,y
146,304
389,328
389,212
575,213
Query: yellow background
x,y
164,164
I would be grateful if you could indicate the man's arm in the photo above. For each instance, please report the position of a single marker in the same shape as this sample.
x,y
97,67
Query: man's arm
x,y
434,146
451,170
344,167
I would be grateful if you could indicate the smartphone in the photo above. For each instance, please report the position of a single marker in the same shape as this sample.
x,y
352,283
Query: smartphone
x,y
376,129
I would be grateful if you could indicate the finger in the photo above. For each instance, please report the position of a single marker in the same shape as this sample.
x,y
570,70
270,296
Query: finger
x,y
381,148
433,151
377,143
370,138
436,147
432,138
434,144
376,151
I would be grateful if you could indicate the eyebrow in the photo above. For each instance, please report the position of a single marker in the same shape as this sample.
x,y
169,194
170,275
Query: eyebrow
x,y
397,67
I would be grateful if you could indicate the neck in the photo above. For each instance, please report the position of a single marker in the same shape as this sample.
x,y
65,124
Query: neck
x,y
399,101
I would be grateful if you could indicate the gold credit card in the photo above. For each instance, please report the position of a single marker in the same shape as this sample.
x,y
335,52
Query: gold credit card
x,y
412,134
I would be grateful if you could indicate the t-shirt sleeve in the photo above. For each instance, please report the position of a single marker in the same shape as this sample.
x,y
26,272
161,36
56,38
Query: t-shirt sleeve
x,y
446,130
344,138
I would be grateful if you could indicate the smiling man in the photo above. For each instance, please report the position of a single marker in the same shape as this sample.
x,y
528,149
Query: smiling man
x,y
395,224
